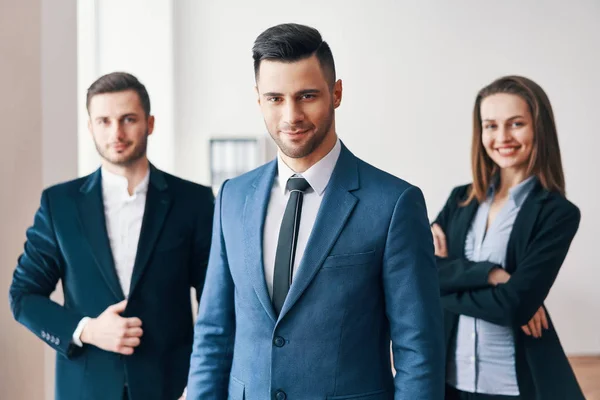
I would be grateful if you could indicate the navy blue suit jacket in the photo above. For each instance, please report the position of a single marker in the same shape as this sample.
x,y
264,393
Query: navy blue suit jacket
x,y
68,242
538,244
368,275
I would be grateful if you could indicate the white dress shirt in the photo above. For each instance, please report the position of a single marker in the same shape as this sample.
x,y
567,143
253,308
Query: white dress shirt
x,y
123,214
317,177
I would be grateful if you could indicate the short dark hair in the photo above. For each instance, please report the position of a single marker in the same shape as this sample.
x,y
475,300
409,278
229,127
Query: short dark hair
x,y
119,82
290,43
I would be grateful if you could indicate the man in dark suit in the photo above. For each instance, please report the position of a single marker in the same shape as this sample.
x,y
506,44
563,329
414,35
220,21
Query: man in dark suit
x,y
128,242
318,258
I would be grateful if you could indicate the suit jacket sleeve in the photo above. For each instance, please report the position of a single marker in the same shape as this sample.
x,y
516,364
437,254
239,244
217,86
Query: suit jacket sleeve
x,y
215,328
444,216
515,302
458,273
412,301
202,240
38,270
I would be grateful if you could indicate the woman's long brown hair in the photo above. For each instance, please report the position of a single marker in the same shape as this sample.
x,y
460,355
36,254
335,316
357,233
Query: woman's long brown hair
x,y
545,161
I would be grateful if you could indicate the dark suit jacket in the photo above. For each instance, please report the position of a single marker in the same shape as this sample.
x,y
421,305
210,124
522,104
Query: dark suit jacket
x,y
367,275
68,242
538,245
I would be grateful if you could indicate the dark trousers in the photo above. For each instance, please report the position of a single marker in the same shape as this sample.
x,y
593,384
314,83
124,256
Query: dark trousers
x,y
455,394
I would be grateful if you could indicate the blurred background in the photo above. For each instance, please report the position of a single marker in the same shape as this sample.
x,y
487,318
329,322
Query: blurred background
x,y
410,69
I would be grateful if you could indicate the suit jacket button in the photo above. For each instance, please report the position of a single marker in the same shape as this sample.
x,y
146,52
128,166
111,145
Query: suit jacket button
x,y
57,341
280,395
279,342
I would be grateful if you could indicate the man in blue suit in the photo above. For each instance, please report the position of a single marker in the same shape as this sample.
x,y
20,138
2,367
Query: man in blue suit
x,y
128,242
318,259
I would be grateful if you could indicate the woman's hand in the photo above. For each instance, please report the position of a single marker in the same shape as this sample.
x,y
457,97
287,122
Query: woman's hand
x,y
535,325
439,241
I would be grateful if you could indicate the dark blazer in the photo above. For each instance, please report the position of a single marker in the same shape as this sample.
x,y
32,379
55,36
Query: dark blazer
x,y
68,242
368,274
537,247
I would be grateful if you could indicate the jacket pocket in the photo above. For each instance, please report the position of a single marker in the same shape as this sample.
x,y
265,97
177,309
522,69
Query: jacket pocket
x,y
236,389
376,395
349,260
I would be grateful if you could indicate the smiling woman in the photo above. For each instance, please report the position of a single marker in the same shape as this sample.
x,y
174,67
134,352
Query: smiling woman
x,y
500,243
513,121
507,132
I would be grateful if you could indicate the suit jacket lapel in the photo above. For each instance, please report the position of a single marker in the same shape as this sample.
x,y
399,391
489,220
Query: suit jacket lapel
x,y
336,207
158,204
92,219
253,221
523,226
520,233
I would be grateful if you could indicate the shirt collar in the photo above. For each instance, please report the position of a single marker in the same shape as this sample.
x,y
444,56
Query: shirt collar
x,y
116,183
317,176
518,193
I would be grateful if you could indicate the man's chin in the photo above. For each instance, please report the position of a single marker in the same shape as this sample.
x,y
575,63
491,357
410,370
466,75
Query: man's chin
x,y
296,151
121,161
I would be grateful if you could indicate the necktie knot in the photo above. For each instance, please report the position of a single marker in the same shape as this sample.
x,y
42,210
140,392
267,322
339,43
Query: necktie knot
x,y
297,183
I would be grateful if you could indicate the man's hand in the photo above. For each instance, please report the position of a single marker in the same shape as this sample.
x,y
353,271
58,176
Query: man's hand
x,y
111,332
497,276
439,241
535,325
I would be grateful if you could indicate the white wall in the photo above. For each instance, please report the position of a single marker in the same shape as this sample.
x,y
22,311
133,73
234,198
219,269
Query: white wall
x,y
37,43
132,36
411,71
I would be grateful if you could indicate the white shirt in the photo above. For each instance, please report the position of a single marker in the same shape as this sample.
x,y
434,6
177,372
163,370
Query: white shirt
x,y
123,214
317,177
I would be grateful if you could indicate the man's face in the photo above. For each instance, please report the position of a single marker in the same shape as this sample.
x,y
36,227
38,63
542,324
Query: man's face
x,y
298,105
119,127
